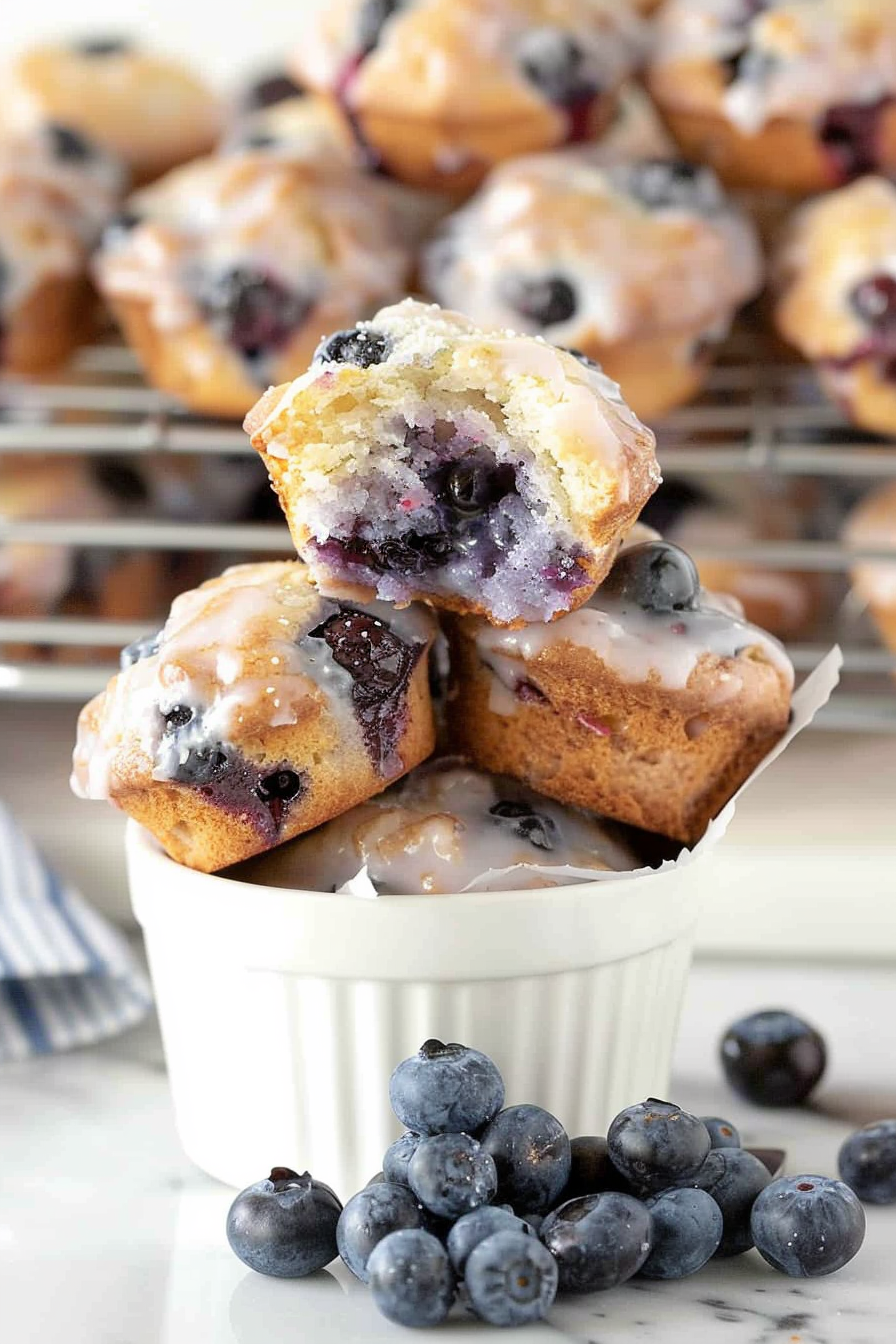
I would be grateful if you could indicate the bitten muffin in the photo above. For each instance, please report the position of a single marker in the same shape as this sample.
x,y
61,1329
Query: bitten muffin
x,y
651,704
836,276
448,828
424,457
792,94
260,709
149,111
872,526
57,190
439,90
224,274
640,266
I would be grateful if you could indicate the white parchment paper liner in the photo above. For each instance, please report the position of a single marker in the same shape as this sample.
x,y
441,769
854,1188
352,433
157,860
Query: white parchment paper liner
x,y
808,700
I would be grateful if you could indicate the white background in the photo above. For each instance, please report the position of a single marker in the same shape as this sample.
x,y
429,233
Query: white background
x,y
224,37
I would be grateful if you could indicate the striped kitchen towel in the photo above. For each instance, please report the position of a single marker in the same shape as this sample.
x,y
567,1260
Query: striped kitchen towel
x,y
67,977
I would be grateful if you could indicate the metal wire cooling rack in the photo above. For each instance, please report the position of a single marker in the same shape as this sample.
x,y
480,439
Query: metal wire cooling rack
x,y
760,421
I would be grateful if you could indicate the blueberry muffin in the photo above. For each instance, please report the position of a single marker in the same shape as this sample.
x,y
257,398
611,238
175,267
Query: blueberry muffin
x,y
57,190
224,274
836,277
639,265
439,90
148,111
872,526
448,828
260,709
650,705
792,94
424,457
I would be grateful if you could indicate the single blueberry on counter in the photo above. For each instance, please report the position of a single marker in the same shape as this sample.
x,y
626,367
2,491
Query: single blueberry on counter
x,y
511,1279
734,1178
773,1058
686,1232
285,1226
656,1143
531,1152
722,1134
598,1241
808,1226
446,1089
867,1162
398,1155
451,1175
474,1227
371,1215
411,1278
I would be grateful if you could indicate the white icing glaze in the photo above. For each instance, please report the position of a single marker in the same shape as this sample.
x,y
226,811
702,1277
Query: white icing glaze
x,y
433,834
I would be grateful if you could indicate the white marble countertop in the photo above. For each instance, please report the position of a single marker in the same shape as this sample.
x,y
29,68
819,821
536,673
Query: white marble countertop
x,y
109,1236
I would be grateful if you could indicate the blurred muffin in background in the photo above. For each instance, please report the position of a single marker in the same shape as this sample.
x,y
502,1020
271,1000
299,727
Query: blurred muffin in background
x,y
437,91
57,191
872,526
225,273
639,266
835,273
149,111
779,93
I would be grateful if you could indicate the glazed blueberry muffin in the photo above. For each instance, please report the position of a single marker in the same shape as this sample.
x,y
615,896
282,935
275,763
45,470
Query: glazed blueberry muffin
x,y
439,90
792,94
424,457
448,828
259,710
872,526
650,705
836,276
640,265
224,274
57,190
148,111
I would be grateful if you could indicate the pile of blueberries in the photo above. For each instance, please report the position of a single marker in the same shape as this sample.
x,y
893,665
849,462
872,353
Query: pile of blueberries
x,y
502,1208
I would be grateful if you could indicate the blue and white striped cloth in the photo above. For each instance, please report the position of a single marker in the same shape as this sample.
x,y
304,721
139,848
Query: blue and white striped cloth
x,y
67,978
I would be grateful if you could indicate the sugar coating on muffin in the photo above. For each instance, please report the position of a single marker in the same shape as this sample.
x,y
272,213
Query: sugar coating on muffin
x,y
226,271
602,258
449,828
424,457
260,710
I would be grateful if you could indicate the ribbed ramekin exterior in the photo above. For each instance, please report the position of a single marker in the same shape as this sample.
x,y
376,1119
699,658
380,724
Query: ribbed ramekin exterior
x,y
270,1068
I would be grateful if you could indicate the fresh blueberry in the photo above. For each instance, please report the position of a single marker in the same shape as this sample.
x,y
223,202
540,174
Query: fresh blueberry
x,y
144,647
102,46
378,1179
687,1230
411,1279
451,1175
67,145
655,576
274,87
874,301
598,1241
656,1143
250,309
511,1279
531,1151
722,1134
526,823
446,1089
369,1216
355,346
867,1162
807,1226
545,301
734,1178
371,19
773,1058
285,1225
556,64
398,1155
591,1170
474,1227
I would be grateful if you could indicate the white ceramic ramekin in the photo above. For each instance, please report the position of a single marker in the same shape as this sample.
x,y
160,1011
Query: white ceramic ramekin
x,y
284,1012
